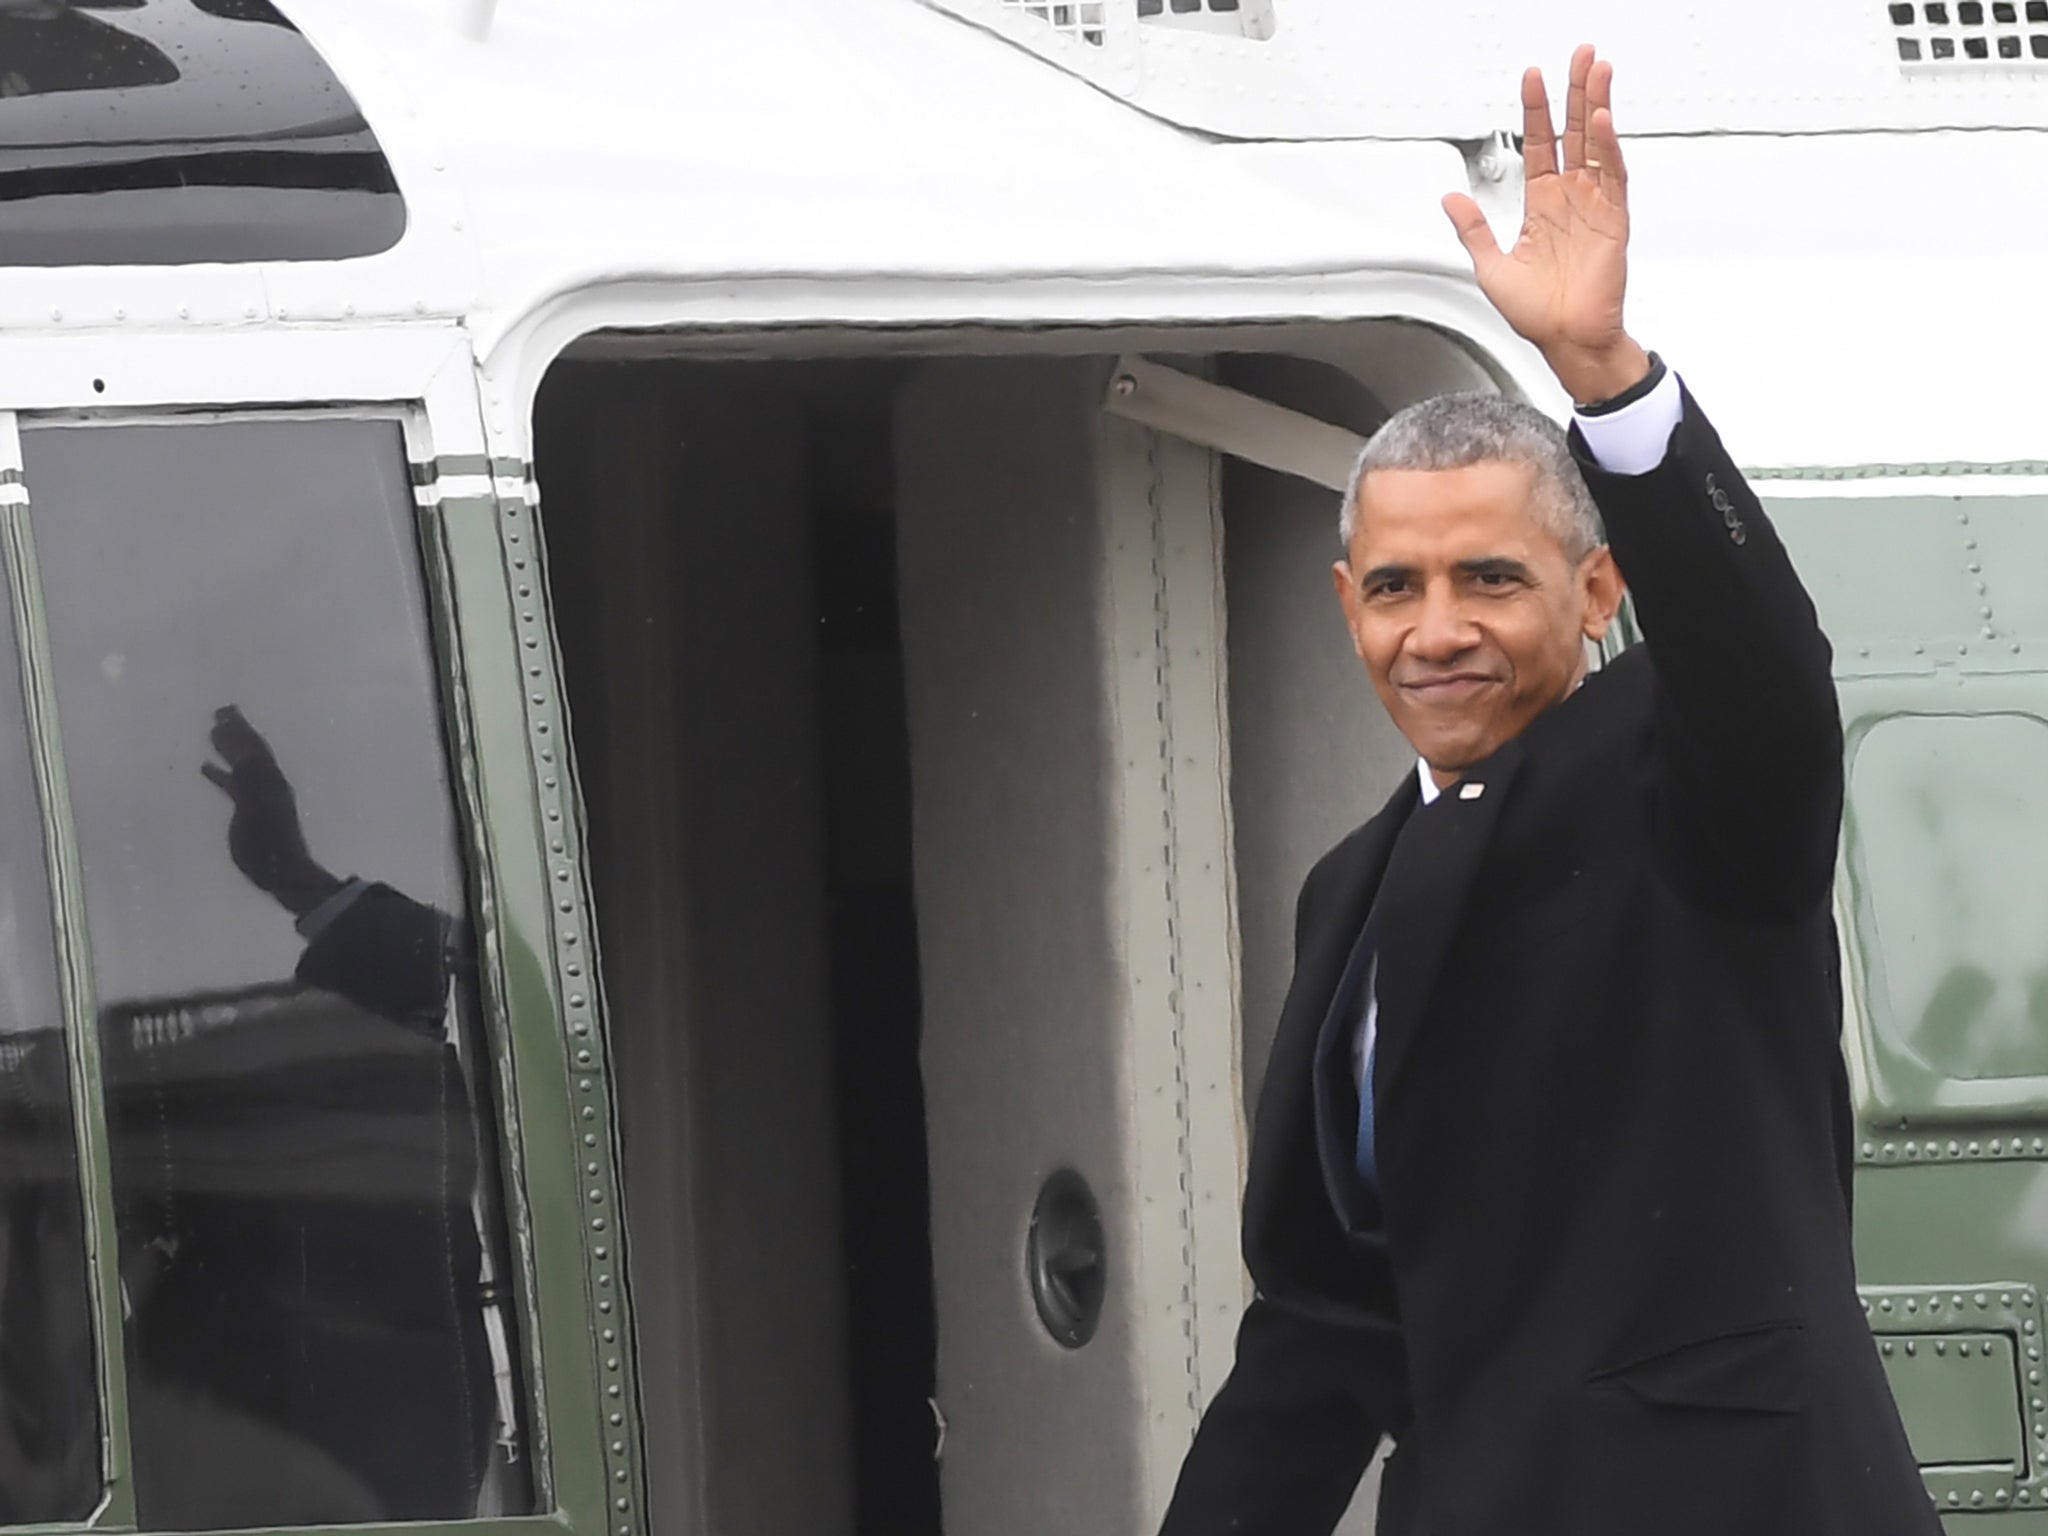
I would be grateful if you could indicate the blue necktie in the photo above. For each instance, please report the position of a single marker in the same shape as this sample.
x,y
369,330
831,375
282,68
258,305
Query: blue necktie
x,y
1368,1159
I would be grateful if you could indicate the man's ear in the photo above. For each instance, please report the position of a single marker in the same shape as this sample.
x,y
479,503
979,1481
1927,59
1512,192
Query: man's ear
x,y
1602,590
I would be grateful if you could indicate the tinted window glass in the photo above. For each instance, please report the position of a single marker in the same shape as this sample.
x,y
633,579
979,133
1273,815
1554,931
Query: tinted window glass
x,y
49,1441
1948,838
309,1218
157,131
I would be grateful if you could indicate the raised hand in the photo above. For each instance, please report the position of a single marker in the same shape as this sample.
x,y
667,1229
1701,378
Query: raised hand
x,y
264,837
1561,286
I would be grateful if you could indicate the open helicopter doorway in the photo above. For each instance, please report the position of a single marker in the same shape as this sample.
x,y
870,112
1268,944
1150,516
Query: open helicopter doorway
x,y
951,752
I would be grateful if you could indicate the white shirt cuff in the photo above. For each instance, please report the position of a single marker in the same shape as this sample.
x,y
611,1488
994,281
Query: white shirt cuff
x,y
1634,439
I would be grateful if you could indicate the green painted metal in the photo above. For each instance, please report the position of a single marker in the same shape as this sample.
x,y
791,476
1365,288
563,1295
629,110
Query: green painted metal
x,y
1939,619
1960,1395
116,1510
1762,474
541,969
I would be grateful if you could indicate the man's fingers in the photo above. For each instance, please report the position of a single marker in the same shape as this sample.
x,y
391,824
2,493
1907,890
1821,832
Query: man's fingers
x,y
1539,139
1472,229
1606,147
219,778
1575,108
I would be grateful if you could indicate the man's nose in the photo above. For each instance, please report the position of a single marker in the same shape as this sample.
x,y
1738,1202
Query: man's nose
x,y
1443,629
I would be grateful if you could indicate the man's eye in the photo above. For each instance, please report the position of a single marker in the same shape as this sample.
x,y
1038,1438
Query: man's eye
x,y
1496,580
1390,588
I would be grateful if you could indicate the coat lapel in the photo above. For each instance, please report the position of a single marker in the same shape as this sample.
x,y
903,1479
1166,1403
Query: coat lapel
x,y
1422,897
1284,1156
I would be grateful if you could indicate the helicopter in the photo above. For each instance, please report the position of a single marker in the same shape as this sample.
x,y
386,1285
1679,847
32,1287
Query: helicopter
x,y
671,684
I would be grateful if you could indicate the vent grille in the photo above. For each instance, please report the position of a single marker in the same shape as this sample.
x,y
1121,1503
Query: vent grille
x,y
1074,18
1948,34
1232,18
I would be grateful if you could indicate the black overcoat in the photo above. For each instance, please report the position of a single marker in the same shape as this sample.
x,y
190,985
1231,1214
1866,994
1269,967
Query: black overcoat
x,y
1613,1293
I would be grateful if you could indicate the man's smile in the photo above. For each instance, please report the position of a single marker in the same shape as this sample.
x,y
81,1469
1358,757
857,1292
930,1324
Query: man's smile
x,y
1449,687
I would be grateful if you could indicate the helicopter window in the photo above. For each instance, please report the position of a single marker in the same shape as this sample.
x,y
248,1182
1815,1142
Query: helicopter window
x,y
1948,862
150,132
311,1242
49,1440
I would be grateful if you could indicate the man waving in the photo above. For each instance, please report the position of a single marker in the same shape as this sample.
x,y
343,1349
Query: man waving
x,y
1550,1177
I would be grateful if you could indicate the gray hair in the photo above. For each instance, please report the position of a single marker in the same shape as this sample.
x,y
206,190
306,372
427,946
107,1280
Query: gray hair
x,y
1456,431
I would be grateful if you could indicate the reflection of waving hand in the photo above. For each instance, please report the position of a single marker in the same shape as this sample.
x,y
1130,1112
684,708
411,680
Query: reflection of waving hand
x,y
264,836
1561,284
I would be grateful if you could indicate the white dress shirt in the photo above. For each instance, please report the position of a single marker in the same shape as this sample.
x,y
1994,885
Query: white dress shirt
x,y
1630,441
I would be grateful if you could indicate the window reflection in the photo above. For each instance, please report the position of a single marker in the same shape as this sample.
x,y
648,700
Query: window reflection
x,y
49,1441
310,1229
1949,833
47,46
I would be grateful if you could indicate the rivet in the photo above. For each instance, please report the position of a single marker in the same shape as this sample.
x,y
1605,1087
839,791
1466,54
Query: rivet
x,y
619,1476
2005,1298
590,1138
618,1447
1983,1301
622,1505
1912,1305
1995,1145
1912,1149
1912,1347
1884,1349
604,1305
617,1419
599,1252
1975,1151
1977,1497
1870,1149
597,1223
590,1170
1883,1306
609,1335
1941,1346
611,1362
589,1113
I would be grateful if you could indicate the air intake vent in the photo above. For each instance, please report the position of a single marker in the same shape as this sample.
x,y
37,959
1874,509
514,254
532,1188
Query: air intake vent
x,y
1974,34
1232,18
1075,18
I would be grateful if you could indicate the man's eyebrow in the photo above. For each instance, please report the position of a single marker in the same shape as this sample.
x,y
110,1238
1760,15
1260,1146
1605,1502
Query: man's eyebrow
x,y
1380,573
1494,565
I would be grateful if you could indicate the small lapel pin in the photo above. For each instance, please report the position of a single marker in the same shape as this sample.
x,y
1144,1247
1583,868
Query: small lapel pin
x,y
1471,791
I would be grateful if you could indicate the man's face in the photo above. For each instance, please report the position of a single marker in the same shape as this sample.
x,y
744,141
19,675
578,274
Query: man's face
x,y
1465,608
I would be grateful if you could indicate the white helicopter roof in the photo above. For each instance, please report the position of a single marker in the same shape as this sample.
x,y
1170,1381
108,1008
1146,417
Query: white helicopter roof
x,y
760,164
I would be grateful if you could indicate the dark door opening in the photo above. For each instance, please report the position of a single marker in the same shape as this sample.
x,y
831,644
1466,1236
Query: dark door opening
x,y
721,550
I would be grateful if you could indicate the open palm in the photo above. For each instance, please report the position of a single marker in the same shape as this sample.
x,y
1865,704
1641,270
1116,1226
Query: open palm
x,y
1562,284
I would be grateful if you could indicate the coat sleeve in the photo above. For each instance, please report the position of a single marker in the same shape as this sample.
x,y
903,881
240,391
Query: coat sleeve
x,y
1749,735
387,954
1283,1446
